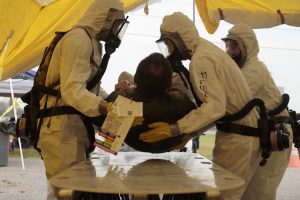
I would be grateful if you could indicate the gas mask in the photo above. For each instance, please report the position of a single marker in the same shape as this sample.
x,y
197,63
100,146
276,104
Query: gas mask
x,y
170,43
233,50
115,35
234,47
173,48
113,30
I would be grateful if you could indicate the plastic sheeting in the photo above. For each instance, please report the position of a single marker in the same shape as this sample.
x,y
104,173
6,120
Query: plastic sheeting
x,y
256,13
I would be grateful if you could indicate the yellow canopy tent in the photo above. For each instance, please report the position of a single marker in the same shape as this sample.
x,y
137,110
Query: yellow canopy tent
x,y
31,23
256,13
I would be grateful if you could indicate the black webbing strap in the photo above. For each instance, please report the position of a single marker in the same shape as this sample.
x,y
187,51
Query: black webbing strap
x,y
186,73
97,77
46,90
239,129
59,110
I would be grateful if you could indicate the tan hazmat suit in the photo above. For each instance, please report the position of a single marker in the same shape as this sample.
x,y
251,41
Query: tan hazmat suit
x,y
63,138
220,85
266,179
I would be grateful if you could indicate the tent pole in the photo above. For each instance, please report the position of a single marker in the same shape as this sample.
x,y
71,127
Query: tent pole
x,y
195,141
2,56
194,14
15,115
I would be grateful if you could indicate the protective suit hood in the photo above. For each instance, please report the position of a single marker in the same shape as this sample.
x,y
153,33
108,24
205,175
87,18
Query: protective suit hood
x,y
95,17
248,38
184,27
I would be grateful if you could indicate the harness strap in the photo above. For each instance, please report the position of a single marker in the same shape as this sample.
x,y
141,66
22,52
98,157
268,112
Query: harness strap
x,y
239,129
93,82
186,73
60,110
97,77
46,90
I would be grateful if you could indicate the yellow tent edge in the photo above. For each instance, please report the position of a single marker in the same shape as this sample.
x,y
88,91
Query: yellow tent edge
x,y
209,24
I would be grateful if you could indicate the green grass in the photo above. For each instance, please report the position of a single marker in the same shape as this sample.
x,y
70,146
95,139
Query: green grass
x,y
207,143
27,153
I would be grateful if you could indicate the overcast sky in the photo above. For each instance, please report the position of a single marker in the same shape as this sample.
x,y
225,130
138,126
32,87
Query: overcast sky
x,y
279,46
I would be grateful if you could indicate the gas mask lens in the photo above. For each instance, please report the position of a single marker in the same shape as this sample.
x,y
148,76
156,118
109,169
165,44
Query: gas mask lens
x,y
119,27
166,47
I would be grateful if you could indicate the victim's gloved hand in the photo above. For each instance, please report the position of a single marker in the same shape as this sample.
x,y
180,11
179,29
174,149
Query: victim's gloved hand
x,y
159,131
105,107
109,106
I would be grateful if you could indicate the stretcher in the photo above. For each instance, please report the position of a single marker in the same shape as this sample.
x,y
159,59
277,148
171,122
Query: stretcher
x,y
138,175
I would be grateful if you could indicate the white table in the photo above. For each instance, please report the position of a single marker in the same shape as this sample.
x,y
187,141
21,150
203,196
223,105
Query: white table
x,y
139,174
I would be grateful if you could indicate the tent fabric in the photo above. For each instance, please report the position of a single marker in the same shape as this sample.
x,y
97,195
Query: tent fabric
x,y
34,27
256,13
34,23
20,87
44,2
28,75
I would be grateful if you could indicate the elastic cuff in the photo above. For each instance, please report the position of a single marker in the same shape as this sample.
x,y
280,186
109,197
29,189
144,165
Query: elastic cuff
x,y
103,107
174,130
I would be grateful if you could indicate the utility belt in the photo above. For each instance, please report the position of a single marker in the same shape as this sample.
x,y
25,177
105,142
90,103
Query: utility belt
x,y
272,130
